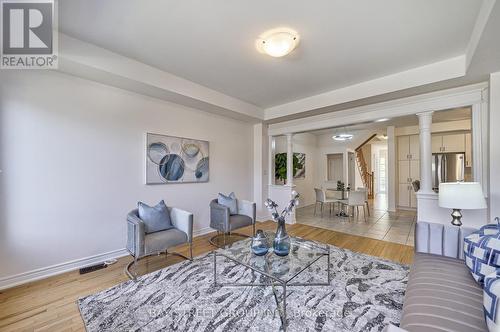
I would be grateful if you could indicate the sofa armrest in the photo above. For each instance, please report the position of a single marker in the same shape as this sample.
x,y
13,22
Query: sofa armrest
x,y
247,208
219,217
440,239
183,221
135,234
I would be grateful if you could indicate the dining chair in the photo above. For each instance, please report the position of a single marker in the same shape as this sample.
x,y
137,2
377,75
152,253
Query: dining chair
x,y
355,200
366,198
321,199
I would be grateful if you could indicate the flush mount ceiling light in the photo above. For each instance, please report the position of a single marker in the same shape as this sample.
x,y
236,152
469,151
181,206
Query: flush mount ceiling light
x,y
277,42
382,120
343,137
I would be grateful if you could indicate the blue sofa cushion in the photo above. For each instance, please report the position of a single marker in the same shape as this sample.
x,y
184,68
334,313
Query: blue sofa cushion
x,y
155,218
482,251
229,201
491,295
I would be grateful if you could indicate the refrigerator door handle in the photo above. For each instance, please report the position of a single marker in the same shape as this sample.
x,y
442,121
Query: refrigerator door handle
x,y
444,168
438,163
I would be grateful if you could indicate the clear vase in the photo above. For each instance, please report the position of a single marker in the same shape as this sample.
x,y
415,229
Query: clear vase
x,y
260,245
281,243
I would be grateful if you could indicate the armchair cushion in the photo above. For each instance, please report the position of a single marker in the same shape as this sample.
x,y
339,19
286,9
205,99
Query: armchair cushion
x,y
238,221
159,241
156,218
229,201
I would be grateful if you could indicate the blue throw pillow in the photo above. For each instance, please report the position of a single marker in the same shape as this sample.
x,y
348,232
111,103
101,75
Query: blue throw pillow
x,y
229,201
491,296
155,218
482,251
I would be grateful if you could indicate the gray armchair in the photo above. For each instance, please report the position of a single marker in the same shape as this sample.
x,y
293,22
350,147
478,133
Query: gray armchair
x,y
141,244
224,223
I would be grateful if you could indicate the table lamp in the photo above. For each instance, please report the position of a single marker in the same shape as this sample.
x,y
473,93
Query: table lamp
x,y
461,196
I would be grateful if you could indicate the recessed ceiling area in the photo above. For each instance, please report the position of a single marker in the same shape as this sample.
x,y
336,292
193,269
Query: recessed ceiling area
x,y
457,114
212,42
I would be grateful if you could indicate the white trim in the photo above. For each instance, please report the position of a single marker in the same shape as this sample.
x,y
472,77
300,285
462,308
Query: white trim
x,y
202,231
434,101
49,271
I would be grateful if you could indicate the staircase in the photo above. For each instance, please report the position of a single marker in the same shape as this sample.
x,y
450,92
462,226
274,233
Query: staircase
x,y
366,175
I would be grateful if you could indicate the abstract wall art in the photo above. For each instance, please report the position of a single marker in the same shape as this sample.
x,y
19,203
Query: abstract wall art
x,y
171,159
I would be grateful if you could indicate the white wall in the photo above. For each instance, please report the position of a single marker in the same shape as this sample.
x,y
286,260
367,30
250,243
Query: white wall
x,y
72,161
303,143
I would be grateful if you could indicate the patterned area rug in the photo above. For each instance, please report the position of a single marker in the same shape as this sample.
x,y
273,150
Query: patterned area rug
x,y
365,294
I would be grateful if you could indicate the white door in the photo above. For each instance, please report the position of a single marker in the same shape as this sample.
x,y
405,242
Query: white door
x,y
404,171
454,143
404,195
437,143
414,147
403,147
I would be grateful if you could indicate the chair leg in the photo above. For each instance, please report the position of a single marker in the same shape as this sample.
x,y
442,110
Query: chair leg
x,y
315,206
191,250
367,208
357,211
321,209
364,213
129,274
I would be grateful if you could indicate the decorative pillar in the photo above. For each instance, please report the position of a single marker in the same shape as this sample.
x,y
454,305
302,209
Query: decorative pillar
x,y
270,161
391,168
289,160
425,129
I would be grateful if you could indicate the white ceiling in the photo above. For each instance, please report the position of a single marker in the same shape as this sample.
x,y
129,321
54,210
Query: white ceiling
x,y
212,42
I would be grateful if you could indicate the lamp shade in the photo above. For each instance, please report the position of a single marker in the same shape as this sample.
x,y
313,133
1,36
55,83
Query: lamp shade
x,y
461,195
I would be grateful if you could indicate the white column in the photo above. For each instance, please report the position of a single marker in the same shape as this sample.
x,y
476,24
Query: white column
x,y
289,160
270,160
391,168
425,128
494,190
258,166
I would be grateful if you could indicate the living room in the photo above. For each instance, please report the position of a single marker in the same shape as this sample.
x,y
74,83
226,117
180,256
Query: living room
x,y
148,179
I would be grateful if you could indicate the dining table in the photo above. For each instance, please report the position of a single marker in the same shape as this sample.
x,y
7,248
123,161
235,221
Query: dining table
x,y
341,195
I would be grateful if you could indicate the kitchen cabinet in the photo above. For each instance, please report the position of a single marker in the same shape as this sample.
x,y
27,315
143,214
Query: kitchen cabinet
x,y
408,147
408,169
448,143
404,197
403,147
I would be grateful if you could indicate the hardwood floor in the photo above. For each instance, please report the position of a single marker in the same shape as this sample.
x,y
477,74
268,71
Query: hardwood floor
x,y
50,304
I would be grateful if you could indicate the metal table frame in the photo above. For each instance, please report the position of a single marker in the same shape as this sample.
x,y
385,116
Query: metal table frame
x,y
282,283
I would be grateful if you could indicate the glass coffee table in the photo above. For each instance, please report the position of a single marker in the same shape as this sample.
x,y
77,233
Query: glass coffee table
x,y
280,271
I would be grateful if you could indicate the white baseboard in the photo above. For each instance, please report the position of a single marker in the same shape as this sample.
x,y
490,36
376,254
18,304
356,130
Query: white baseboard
x,y
45,272
25,277
202,231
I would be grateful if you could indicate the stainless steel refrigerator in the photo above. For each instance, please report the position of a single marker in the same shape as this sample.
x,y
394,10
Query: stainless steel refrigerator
x,y
447,167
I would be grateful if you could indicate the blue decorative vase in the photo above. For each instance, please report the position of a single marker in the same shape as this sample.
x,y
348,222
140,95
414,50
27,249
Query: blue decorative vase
x,y
281,243
260,244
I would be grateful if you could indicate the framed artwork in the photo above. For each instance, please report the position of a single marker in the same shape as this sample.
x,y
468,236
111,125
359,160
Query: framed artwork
x,y
299,166
171,159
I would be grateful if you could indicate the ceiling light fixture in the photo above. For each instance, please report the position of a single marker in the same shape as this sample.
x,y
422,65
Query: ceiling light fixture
x,y
343,137
382,120
277,42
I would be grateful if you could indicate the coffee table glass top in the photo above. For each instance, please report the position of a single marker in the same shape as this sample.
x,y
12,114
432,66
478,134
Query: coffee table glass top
x,y
303,253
